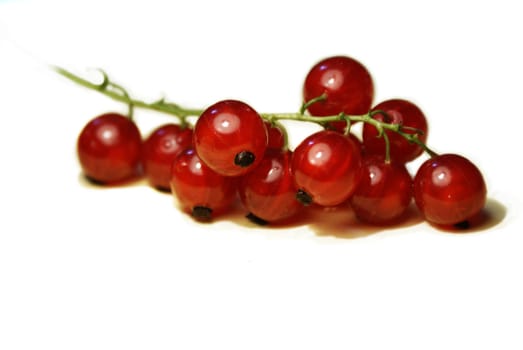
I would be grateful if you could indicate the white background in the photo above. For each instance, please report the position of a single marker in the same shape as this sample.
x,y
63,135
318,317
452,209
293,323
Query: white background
x,y
122,268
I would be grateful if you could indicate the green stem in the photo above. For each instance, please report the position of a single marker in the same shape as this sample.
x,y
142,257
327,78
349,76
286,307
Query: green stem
x,y
307,104
116,92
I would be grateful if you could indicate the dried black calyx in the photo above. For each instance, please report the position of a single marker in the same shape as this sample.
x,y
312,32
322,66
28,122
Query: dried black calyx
x,y
202,213
244,159
256,220
303,197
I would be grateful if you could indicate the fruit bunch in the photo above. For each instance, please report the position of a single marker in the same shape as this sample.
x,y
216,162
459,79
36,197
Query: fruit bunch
x,y
233,152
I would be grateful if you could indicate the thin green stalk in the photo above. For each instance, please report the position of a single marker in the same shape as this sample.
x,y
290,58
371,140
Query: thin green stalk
x,y
116,92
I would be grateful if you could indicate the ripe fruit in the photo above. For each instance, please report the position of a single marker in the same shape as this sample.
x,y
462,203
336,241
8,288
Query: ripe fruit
x,y
276,138
200,191
326,168
449,189
401,112
159,150
384,191
230,137
268,191
108,149
233,148
346,84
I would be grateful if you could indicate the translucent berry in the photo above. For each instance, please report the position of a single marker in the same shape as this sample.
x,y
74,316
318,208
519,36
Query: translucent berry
x,y
384,191
268,191
200,191
159,150
108,149
230,137
401,112
346,84
327,168
449,189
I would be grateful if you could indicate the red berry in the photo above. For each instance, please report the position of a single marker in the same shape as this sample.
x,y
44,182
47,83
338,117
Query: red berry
x,y
268,191
346,83
357,141
327,168
108,149
397,112
449,189
230,137
200,191
159,150
276,138
384,191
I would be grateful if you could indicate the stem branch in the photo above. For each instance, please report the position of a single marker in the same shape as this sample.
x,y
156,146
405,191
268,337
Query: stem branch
x,y
116,92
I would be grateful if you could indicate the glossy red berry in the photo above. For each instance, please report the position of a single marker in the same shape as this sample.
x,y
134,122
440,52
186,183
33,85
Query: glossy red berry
x,y
200,191
108,149
449,189
230,137
159,150
326,168
276,138
402,112
346,84
384,191
268,191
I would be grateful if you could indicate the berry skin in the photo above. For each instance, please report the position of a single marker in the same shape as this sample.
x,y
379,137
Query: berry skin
x,y
345,82
326,168
449,190
230,137
268,191
108,149
384,191
200,191
159,150
398,112
276,138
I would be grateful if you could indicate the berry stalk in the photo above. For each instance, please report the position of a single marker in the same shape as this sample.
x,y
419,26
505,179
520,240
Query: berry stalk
x,y
118,93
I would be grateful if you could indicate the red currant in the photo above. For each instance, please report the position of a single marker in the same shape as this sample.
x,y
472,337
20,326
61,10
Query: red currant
x,y
268,191
346,85
108,149
327,168
230,137
276,138
449,189
384,191
159,150
200,191
401,112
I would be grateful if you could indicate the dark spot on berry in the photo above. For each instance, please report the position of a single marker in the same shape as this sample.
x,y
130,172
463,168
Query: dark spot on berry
x,y
202,213
244,159
256,220
303,197
463,225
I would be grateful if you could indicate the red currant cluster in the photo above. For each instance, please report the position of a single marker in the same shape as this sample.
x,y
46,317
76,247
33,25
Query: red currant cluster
x,y
233,151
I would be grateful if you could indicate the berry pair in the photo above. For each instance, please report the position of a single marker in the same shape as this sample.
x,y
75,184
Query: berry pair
x,y
111,150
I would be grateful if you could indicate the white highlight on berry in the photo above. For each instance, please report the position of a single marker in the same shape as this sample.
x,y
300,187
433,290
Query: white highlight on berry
x,y
319,154
332,79
275,172
196,166
108,133
226,123
441,176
